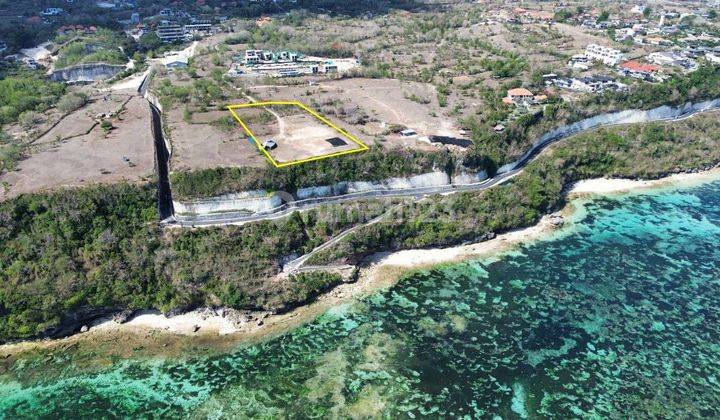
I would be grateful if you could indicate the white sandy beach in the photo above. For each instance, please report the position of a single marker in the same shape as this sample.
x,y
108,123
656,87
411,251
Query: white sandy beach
x,y
198,321
614,185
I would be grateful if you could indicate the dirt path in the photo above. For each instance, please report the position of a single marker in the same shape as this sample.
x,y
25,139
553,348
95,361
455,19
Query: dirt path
x,y
280,121
297,263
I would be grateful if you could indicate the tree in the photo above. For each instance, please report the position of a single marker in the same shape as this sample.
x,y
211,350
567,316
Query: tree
x,y
611,33
604,16
149,41
562,15
106,126
712,14
647,11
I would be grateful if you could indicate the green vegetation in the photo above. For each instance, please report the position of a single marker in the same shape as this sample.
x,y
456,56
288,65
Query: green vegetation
x,y
374,165
74,248
699,85
563,15
30,119
502,68
72,101
201,94
311,284
106,126
102,47
77,251
504,147
225,124
10,154
149,41
23,90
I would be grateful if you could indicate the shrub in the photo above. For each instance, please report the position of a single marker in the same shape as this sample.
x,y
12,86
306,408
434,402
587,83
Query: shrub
x,y
310,284
72,101
29,119
106,126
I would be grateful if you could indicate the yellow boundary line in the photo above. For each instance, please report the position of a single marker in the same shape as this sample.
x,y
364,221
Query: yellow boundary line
x,y
232,108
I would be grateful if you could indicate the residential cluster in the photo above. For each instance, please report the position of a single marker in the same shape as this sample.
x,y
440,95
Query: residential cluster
x,y
642,47
287,64
172,25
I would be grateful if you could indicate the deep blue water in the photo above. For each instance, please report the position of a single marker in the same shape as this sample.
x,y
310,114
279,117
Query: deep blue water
x,y
615,316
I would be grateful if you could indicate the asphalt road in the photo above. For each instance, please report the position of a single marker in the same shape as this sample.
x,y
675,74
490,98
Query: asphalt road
x,y
285,209
504,174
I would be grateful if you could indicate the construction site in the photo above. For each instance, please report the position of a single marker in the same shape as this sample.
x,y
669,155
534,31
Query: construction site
x,y
290,132
287,64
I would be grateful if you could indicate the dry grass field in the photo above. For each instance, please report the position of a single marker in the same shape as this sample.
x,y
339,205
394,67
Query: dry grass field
x,y
200,144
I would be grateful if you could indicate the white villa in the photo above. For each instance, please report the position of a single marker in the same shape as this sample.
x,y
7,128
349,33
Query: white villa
x,y
609,56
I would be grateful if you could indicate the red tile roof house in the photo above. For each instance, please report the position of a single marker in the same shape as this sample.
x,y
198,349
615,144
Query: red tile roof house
x,y
522,96
634,68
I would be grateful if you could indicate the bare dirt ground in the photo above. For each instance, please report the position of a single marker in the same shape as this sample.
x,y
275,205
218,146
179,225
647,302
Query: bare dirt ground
x,y
82,121
387,102
200,145
88,159
298,134
54,125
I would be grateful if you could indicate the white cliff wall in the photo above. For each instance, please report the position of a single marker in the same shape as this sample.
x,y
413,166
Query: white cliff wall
x,y
247,201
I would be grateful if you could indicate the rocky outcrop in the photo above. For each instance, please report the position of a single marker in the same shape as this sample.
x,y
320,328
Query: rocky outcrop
x,y
73,322
87,72
123,316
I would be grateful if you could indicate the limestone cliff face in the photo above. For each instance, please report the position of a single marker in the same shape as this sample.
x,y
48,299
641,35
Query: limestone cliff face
x,y
430,179
246,201
262,201
87,72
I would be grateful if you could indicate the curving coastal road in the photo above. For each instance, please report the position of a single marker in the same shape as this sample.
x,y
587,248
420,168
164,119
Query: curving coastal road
x,y
663,113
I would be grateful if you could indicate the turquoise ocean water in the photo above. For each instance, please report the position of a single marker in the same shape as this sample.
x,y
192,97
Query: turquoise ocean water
x,y
615,316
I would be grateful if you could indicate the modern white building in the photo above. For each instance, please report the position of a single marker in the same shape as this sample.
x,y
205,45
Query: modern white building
x,y
199,28
608,56
589,84
171,33
672,58
579,62
52,11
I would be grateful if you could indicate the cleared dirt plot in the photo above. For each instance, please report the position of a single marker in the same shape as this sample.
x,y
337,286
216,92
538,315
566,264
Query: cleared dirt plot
x,y
291,133
208,140
373,107
122,153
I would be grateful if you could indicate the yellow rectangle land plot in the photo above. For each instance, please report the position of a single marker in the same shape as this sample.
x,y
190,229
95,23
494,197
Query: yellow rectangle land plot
x,y
279,164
